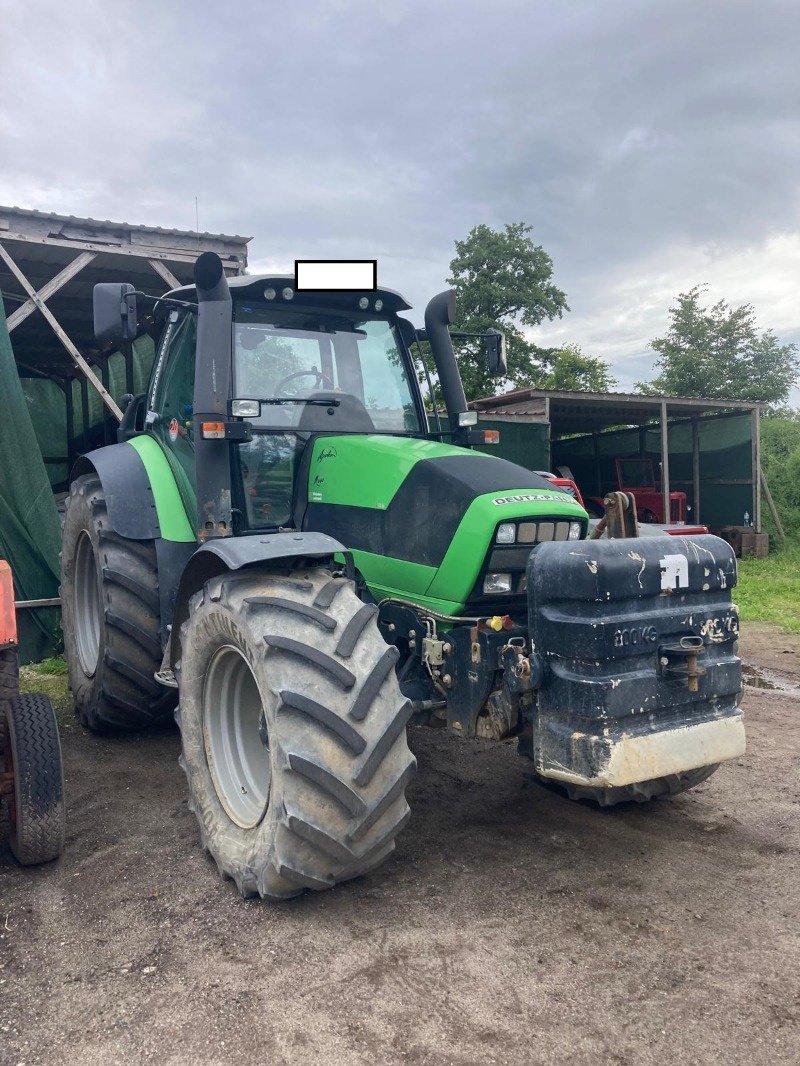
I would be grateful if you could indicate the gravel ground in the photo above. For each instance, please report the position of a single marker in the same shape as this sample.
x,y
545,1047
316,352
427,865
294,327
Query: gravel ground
x,y
510,926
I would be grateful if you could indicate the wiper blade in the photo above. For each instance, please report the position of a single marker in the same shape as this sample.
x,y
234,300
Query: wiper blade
x,y
310,401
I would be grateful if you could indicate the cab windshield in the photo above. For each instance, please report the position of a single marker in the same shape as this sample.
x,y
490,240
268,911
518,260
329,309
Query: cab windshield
x,y
320,373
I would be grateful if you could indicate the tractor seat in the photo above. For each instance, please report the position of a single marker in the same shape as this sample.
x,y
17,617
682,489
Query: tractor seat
x,y
346,414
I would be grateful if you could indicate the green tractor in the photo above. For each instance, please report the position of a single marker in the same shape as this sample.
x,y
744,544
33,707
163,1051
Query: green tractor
x,y
280,552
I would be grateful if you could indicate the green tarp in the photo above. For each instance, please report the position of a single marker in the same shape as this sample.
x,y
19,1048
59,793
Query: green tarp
x,y
30,533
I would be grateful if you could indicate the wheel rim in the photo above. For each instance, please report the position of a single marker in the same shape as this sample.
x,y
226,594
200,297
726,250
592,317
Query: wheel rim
x,y
236,742
86,605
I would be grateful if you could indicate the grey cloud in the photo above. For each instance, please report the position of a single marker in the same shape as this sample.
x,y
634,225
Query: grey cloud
x,y
616,129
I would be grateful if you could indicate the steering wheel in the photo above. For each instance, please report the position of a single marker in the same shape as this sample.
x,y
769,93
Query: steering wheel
x,y
319,377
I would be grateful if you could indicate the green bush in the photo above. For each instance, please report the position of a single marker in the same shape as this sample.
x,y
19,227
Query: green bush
x,y
780,459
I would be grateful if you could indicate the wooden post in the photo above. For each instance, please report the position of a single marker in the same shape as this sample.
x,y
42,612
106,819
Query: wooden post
x,y
74,354
164,273
696,469
771,504
665,461
756,468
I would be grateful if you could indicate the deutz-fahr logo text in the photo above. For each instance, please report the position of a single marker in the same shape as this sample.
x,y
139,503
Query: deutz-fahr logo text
x,y
529,498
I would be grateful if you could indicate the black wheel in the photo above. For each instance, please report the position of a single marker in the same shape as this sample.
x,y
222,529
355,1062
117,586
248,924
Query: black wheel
x,y
293,731
9,682
111,618
594,510
648,517
32,754
638,793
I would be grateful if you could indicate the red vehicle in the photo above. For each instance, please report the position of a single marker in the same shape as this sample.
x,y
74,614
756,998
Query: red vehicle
x,y
636,475
563,483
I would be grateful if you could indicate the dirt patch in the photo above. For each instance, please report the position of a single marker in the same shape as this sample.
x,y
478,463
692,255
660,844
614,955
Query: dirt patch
x,y
510,926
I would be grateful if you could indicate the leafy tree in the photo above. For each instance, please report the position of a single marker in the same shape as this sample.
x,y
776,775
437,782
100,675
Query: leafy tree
x,y
718,352
572,371
502,280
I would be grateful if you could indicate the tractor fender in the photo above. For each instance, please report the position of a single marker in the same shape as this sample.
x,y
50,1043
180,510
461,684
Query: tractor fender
x,y
225,554
126,487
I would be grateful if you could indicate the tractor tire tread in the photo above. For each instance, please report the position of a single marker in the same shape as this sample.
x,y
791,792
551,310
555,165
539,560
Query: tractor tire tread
x,y
338,794
37,832
122,695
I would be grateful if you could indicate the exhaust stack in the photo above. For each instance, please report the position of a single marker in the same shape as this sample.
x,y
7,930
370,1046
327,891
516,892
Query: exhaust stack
x,y
212,379
439,315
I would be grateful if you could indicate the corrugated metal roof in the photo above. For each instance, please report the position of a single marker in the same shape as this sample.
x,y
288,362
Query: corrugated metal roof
x,y
516,395
586,412
25,212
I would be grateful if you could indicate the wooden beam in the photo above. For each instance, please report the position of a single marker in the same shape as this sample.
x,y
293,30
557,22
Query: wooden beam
x,y
50,287
665,460
771,503
164,272
75,355
755,442
696,470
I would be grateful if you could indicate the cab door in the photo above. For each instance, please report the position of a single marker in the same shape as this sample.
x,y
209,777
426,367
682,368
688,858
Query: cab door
x,y
169,418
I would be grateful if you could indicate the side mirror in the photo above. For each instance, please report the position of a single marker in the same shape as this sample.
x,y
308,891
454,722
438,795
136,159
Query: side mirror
x,y
115,318
495,342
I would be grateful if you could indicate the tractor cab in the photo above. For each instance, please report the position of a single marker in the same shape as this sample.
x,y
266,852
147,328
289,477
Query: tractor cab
x,y
301,364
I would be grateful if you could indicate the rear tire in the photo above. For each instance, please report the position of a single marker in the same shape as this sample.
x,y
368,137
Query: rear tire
x,y
641,792
293,731
111,618
33,753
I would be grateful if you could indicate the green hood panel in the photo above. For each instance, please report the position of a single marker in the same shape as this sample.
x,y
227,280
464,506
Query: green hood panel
x,y
367,471
420,516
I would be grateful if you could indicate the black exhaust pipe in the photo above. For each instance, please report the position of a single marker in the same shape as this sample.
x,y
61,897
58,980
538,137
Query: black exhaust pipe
x,y
212,380
439,315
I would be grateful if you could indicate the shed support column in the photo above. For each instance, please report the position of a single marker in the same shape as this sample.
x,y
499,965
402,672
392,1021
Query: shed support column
x,y
696,470
665,460
756,471
75,355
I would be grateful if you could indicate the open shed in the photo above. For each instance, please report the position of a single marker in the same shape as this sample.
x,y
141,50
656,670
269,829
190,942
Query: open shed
x,y
709,449
61,394
49,265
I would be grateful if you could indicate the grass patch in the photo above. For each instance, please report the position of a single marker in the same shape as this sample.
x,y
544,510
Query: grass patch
x,y
50,678
49,666
769,589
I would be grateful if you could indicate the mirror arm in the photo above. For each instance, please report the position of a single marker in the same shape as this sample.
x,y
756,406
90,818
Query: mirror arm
x,y
169,300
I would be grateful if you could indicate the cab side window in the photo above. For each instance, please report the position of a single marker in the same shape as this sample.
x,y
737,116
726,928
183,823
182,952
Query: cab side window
x,y
171,402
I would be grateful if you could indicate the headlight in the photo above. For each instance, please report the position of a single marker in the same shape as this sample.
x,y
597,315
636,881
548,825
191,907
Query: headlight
x,y
506,533
496,583
574,531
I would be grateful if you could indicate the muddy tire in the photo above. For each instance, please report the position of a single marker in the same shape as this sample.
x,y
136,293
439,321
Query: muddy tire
x,y
111,618
293,731
32,753
640,793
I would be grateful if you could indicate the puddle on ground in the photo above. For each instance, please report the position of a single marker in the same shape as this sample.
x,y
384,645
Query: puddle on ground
x,y
755,677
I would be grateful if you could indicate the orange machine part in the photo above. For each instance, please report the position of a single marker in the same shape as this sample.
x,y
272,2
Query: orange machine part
x,y
8,618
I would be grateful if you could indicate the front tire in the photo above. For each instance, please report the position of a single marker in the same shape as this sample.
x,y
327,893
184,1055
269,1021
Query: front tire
x,y
293,731
111,618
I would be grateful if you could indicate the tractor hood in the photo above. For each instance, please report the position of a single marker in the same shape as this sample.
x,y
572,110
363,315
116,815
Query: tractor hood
x,y
420,516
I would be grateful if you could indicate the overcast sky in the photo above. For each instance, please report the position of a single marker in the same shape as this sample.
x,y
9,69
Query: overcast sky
x,y
651,145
